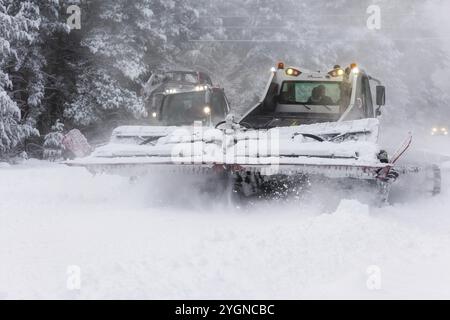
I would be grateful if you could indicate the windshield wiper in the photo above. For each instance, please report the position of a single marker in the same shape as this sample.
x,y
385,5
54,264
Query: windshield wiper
x,y
309,108
308,135
150,140
306,106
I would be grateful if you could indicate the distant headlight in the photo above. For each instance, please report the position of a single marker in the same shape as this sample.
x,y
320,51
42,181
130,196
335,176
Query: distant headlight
x,y
439,131
201,88
207,110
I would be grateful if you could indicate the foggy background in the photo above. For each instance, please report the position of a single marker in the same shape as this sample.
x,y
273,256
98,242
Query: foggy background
x,y
409,53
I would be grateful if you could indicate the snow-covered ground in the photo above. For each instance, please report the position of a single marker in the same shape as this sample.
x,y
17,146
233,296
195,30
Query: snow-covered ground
x,y
161,240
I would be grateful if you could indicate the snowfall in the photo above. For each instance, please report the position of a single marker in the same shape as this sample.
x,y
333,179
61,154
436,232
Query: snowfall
x,y
159,238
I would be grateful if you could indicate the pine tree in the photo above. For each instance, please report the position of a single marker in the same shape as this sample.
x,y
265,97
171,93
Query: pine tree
x,y
41,67
53,146
125,42
18,23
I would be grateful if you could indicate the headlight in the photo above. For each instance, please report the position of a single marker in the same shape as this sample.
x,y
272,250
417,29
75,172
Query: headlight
x,y
154,114
200,88
207,110
293,72
338,72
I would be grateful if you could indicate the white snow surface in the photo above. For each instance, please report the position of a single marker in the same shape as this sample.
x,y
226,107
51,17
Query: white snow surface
x,y
159,238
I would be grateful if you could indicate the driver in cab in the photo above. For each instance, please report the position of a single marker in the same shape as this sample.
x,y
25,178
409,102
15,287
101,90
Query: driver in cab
x,y
318,96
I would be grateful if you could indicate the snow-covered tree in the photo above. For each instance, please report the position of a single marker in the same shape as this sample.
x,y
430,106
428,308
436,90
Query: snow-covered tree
x,y
11,132
53,146
125,41
18,22
101,98
40,67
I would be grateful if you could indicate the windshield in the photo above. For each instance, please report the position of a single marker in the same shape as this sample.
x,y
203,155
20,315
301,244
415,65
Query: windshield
x,y
185,108
300,102
310,93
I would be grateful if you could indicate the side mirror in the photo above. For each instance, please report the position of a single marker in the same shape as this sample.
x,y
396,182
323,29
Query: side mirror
x,y
381,95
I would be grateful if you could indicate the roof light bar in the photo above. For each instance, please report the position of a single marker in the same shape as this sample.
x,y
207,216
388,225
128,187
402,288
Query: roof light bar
x,y
337,71
293,72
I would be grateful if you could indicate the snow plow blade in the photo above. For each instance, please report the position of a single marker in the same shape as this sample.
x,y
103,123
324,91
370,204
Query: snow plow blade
x,y
336,150
346,149
138,168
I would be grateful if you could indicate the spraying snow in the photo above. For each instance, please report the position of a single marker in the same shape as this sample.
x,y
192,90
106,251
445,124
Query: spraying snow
x,y
147,239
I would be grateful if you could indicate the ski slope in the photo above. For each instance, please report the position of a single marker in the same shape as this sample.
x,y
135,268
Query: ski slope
x,y
160,239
